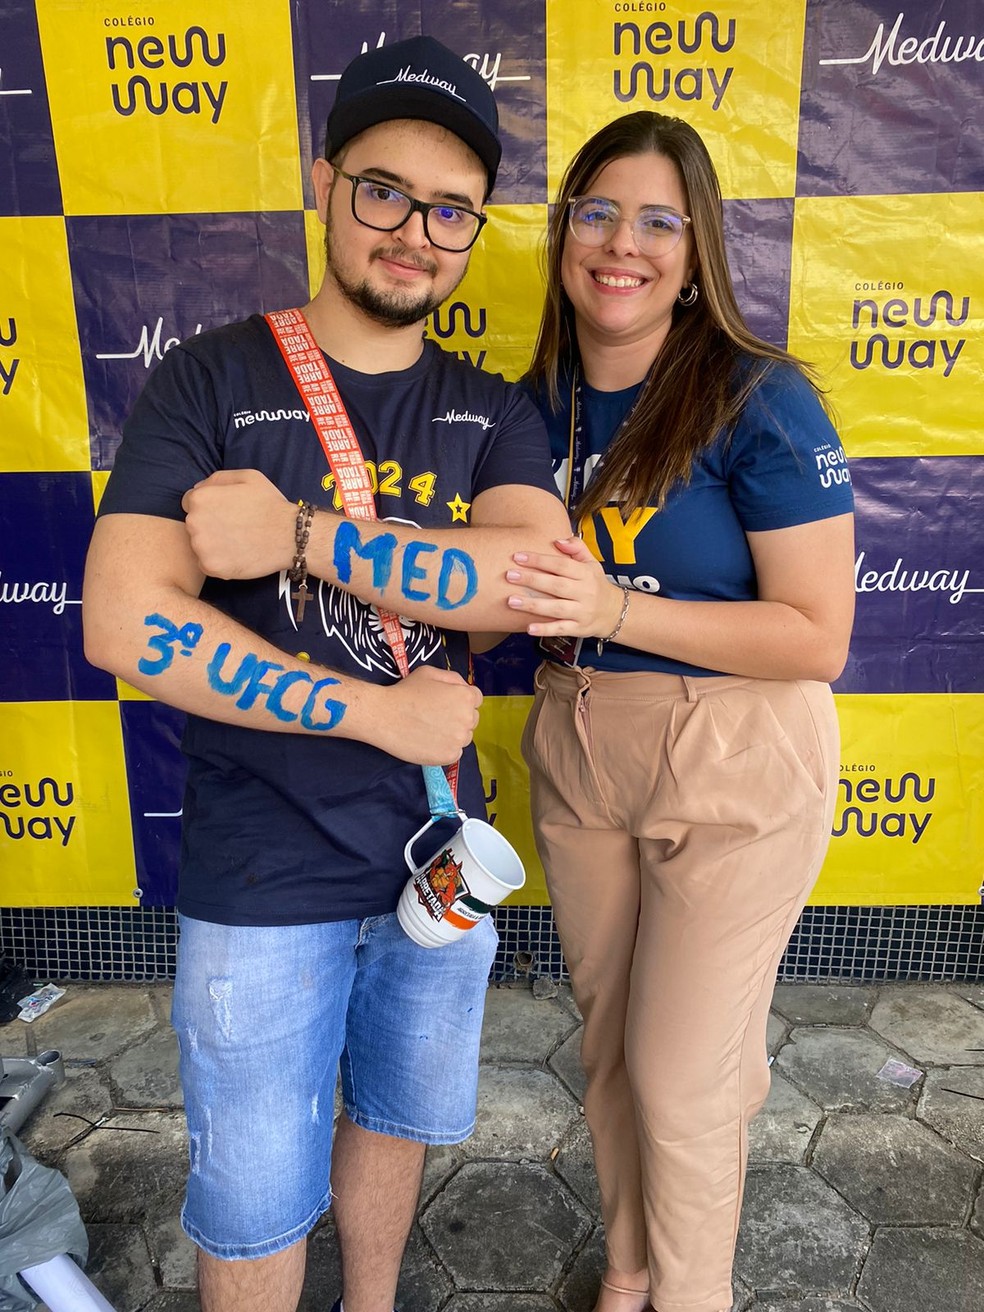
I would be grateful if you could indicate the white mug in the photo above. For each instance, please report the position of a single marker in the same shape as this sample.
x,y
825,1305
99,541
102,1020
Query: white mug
x,y
459,884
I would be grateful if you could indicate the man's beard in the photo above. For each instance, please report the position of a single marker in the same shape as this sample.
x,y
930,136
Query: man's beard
x,y
391,309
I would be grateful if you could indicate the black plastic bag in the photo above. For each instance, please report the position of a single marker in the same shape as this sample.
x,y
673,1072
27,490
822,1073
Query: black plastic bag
x,y
15,983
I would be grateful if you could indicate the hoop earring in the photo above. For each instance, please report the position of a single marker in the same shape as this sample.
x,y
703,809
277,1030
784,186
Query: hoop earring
x,y
688,296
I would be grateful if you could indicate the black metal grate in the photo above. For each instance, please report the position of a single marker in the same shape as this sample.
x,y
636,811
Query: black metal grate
x,y
861,943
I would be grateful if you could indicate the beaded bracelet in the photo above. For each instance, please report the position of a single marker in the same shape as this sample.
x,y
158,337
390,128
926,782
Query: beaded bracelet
x,y
621,620
298,570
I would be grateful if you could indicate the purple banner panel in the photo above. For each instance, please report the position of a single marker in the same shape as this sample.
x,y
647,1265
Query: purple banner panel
x,y
28,173
143,284
504,41
155,772
759,234
891,98
919,576
45,525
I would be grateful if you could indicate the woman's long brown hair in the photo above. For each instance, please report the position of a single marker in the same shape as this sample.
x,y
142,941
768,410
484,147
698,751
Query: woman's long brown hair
x,y
710,361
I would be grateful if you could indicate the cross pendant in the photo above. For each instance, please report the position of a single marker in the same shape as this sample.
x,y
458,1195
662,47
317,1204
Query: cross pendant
x,y
301,596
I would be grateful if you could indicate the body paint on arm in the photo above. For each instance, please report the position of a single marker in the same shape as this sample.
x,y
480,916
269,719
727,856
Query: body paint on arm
x,y
255,682
188,636
456,566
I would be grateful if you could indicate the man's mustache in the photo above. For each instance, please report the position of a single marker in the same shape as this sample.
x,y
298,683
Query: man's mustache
x,y
404,256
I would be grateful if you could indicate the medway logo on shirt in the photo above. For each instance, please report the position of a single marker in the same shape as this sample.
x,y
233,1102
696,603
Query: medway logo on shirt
x,y
463,417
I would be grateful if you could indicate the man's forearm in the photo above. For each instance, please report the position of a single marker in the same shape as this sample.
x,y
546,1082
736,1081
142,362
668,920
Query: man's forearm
x,y
193,657
241,526
144,622
182,651
452,578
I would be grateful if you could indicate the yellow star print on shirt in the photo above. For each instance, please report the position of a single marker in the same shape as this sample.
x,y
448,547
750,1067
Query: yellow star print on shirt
x,y
459,509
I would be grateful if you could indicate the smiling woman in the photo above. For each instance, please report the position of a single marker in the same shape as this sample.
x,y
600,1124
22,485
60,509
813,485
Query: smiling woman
x,y
621,280
682,744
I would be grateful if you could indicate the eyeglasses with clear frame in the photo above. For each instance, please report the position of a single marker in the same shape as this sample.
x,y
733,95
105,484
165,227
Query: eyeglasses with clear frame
x,y
380,205
656,229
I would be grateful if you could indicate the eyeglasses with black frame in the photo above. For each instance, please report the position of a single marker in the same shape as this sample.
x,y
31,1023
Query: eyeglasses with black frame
x,y
656,229
382,206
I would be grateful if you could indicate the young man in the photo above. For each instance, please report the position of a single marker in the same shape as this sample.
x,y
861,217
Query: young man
x,y
303,742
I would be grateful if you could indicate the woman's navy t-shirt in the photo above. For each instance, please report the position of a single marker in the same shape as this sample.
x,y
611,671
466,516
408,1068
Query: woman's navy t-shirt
x,y
782,465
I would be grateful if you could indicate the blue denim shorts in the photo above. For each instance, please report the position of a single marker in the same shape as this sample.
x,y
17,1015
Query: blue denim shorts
x,y
267,1016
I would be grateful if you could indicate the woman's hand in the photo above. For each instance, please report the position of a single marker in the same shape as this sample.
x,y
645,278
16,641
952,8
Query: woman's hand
x,y
575,598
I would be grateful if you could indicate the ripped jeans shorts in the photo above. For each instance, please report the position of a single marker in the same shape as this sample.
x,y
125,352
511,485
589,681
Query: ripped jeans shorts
x,y
268,1017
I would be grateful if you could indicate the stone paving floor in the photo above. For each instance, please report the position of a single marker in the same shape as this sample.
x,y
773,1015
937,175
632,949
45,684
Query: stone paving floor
x,y
862,1194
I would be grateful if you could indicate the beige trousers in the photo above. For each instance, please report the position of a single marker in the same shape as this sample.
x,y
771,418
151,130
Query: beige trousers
x,y
681,823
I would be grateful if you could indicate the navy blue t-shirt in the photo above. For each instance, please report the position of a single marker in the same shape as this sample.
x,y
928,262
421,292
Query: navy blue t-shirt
x,y
782,465
294,828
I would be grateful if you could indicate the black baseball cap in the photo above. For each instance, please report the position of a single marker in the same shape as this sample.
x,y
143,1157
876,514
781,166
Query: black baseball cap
x,y
417,78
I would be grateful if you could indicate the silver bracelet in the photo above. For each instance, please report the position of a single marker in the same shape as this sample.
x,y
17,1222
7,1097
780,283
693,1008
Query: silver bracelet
x,y
621,620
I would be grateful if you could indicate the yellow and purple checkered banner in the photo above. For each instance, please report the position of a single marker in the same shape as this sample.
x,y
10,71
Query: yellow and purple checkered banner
x,y
154,161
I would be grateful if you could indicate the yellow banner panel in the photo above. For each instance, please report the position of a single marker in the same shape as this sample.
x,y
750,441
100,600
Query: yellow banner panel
x,y
908,828
182,108
314,240
127,693
893,320
100,477
43,422
507,788
492,318
65,837
733,72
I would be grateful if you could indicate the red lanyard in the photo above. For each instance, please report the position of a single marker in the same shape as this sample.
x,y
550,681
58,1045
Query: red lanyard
x,y
314,380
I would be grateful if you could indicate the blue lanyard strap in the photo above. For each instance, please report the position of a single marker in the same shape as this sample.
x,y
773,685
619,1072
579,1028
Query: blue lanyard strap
x,y
440,798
